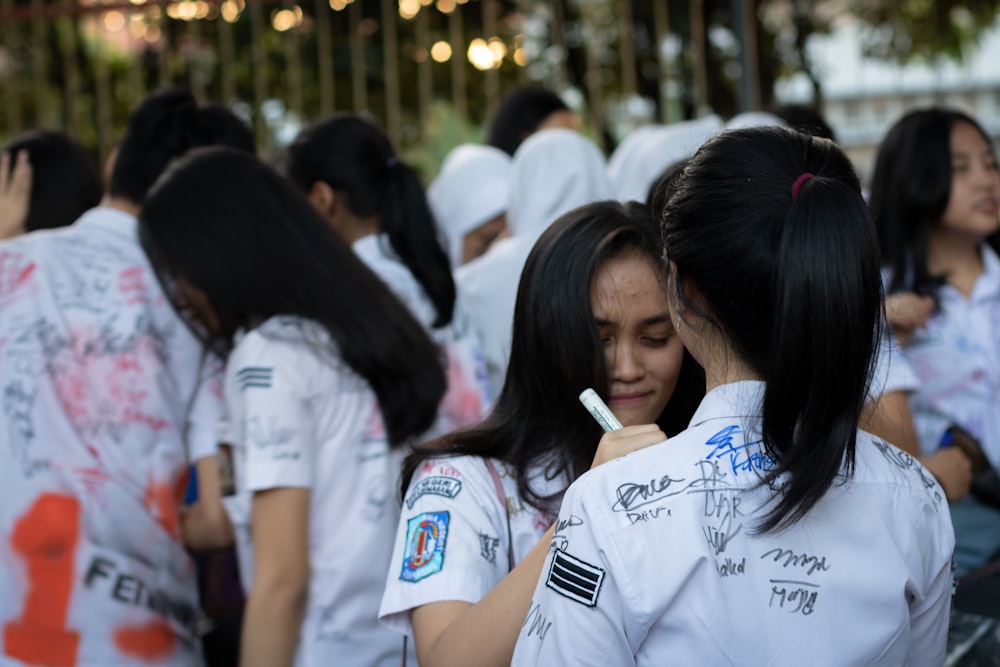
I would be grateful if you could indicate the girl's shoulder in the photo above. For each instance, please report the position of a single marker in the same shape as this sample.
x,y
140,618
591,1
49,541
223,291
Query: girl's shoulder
x,y
461,468
286,342
462,481
885,466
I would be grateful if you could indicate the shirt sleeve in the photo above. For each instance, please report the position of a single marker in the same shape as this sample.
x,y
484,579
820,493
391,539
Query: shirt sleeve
x,y
892,371
930,606
577,613
207,408
269,391
451,542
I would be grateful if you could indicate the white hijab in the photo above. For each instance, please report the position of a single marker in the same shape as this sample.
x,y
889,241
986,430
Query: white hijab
x,y
471,190
648,151
553,172
754,119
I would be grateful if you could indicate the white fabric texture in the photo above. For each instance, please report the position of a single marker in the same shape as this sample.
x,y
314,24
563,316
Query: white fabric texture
x,y
470,190
300,417
106,402
892,371
956,355
754,119
648,151
554,171
474,557
468,396
661,559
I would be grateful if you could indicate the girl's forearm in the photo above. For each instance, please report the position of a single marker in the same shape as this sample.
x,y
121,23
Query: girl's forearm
x,y
271,626
485,633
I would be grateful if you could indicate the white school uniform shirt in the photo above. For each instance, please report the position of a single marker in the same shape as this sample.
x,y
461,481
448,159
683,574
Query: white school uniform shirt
x,y
468,396
106,401
453,542
301,418
658,562
553,172
956,355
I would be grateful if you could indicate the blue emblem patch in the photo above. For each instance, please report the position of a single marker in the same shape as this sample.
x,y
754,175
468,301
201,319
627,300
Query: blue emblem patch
x,y
425,539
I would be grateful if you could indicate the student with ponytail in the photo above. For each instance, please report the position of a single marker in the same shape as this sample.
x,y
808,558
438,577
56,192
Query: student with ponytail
x,y
349,171
327,378
591,311
771,531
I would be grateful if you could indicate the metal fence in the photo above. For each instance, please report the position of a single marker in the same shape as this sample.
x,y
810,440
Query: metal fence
x,y
81,66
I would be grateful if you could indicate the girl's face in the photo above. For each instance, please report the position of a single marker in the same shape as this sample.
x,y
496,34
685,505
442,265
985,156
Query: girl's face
x,y
642,351
195,305
478,241
975,184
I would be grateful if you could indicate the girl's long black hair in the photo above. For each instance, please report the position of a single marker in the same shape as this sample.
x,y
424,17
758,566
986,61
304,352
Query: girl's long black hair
x,y
910,189
356,159
232,227
789,277
556,352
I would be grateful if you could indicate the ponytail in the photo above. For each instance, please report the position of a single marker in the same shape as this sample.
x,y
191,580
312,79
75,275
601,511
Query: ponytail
x,y
407,220
355,157
798,297
824,314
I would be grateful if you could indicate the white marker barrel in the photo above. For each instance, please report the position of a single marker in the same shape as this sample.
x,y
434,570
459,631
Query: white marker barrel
x,y
601,412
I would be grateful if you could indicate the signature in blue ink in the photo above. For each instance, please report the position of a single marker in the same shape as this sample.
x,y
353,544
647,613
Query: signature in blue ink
x,y
740,457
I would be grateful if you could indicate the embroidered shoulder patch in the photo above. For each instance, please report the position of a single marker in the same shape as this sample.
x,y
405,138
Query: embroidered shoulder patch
x,y
425,539
575,579
447,487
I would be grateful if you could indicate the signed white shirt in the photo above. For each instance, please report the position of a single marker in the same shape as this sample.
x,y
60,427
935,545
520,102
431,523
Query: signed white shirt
x,y
661,565
457,498
956,355
106,400
300,417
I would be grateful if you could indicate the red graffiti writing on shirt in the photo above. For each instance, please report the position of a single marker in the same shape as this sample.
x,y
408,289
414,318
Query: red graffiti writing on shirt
x,y
46,537
133,286
463,404
163,499
151,642
99,390
439,468
15,274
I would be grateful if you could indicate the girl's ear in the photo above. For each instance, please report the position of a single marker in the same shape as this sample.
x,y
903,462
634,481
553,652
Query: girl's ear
x,y
323,198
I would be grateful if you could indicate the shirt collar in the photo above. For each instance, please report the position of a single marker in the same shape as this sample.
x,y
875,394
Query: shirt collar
x,y
109,219
373,247
988,283
735,399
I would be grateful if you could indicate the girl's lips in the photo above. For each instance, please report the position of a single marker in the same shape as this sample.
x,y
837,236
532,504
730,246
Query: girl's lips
x,y
629,398
988,206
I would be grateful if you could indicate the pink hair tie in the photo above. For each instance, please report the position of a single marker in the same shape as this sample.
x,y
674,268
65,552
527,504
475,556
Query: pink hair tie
x,y
803,177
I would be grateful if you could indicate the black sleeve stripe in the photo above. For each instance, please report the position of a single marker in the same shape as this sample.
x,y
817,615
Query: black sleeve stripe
x,y
254,370
570,587
575,579
571,567
567,575
254,376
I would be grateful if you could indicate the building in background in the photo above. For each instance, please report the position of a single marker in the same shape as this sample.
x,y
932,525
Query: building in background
x,y
863,97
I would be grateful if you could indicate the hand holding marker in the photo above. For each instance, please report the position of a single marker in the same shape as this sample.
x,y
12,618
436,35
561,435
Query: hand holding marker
x,y
599,411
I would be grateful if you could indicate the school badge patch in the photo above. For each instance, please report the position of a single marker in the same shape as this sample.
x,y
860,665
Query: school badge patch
x,y
423,555
448,487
